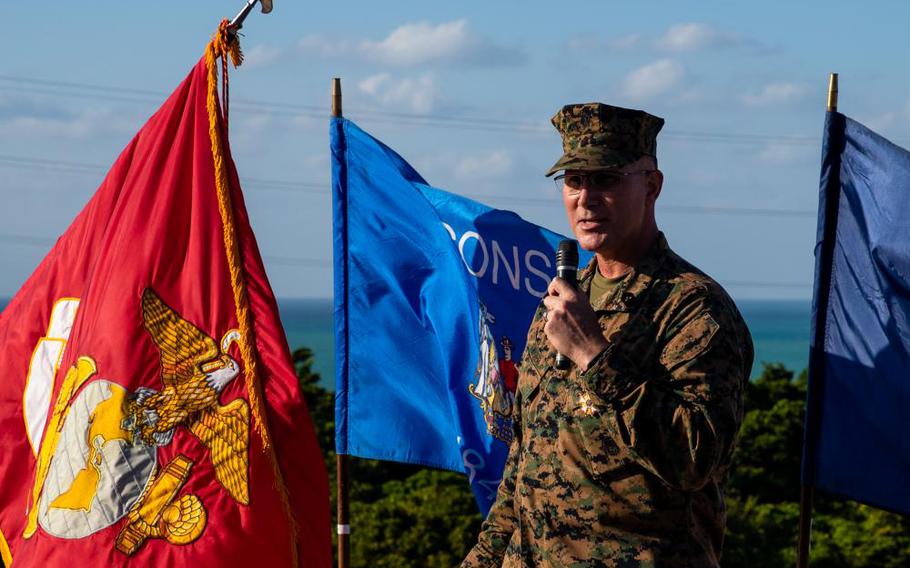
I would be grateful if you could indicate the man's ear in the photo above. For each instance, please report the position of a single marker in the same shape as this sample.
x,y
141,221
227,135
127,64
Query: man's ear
x,y
655,184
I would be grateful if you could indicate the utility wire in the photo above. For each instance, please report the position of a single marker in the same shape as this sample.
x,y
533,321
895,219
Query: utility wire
x,y
314,188
121,94
305,262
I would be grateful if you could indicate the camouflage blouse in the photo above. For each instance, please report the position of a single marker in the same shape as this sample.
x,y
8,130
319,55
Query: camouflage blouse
x,y
623,464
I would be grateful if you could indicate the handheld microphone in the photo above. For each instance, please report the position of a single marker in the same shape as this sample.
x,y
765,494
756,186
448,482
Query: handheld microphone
x,y
567,269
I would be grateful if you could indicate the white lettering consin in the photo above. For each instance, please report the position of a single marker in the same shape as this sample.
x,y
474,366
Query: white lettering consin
x,y
501,262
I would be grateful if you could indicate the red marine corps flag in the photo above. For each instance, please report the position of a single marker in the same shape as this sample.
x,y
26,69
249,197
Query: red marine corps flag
x,y
149,410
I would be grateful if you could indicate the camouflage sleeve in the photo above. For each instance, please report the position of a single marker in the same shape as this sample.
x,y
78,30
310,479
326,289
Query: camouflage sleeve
x,y
497,529
680,426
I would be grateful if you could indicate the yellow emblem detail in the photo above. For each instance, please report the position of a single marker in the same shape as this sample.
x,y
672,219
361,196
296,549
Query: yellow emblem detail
x,y
75,377
159,515
587,406
104,427
194,372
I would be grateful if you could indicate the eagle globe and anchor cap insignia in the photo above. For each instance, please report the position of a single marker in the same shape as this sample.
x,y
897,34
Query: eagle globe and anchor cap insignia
x,y
101,459
495,380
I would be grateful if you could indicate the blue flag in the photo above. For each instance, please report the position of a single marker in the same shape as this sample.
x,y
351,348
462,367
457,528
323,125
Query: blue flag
x,y
858,411
434,294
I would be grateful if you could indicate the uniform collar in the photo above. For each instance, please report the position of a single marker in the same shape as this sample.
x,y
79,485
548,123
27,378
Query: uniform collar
x,y
625,297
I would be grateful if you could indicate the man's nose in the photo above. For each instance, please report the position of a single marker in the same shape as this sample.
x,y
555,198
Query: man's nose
x,y
585,195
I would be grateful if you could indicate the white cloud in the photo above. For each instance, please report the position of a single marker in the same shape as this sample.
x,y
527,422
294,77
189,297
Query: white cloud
x,y
625,42
85,124
694,36
780,154
408,45
583,43
262,55
889,122
597,43
253,123
326,46
775,94
419,43
307,122
411,44
494,164
418,94
881,122
653,79
449,42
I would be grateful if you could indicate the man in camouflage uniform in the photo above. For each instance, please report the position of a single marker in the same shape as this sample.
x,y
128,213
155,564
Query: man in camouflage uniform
x,y
620,460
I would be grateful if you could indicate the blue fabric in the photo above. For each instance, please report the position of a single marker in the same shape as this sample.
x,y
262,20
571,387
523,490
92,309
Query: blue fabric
x,y
427,285
858,424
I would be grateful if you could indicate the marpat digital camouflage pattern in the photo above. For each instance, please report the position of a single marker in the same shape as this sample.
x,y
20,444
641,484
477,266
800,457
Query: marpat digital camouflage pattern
x,y
622,465
596,136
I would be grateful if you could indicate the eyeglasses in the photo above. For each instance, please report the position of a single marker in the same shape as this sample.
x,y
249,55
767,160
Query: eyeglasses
x,y
604,180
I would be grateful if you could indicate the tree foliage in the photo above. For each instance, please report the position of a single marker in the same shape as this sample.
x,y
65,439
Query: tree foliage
x,y
406,516
401,515
763,493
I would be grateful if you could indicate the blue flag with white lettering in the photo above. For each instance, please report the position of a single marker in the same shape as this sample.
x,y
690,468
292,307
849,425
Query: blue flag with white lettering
x,y
434,294
858,411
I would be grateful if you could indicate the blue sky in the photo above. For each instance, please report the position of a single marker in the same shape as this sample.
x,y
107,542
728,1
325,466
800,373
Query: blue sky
x,y
464,91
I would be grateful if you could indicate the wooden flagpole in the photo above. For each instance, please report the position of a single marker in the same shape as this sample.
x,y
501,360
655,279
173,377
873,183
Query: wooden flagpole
x,y
342,485
807,492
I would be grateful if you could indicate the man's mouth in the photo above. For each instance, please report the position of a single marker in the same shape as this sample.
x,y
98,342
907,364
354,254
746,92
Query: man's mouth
x,y
591,223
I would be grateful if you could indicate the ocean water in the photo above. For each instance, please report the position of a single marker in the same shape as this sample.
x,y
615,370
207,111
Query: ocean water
x,y
780,331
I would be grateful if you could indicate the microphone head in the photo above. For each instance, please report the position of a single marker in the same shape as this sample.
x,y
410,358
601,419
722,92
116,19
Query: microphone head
x,y
567,254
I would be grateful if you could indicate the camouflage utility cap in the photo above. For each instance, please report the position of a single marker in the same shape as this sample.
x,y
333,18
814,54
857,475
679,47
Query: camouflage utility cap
x,y
596,136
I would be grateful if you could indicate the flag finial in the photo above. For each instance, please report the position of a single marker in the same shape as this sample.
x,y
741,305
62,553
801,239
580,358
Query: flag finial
x,y
832,92
237,22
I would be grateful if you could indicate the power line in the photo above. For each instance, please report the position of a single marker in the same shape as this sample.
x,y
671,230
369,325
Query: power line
x,y
308,262
121,94
26,240
768,284
297,261
42,164
314,188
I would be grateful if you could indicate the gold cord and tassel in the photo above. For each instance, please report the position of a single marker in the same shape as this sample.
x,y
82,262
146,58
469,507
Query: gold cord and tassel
x,y
222,46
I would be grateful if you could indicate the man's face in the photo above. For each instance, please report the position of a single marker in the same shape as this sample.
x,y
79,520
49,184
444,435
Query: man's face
x,y
607,212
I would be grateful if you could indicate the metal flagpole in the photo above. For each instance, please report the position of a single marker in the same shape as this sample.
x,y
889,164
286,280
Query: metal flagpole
x,y
341,460
237,22
807,491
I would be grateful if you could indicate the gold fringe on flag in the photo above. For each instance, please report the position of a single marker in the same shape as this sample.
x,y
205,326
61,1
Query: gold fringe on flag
x,y
225,45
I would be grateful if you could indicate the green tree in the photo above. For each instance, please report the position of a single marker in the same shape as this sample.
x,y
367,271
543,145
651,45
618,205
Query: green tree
x,y
429,519
763,493
405,516
767,457
401,515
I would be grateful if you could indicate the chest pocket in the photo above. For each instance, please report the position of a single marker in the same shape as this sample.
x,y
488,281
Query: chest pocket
x,y
536,362
591,426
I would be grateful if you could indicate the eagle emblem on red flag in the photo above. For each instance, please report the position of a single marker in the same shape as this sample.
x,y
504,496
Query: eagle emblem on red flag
x,y
151,413
194,371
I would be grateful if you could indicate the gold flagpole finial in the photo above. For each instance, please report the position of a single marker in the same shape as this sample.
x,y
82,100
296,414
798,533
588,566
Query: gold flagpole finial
x,y
336,97
832,93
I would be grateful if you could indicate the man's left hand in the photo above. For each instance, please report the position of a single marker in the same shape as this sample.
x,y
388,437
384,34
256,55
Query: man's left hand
x,y
572,326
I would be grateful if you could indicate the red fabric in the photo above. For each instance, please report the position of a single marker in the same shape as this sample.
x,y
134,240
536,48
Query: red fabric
x,y
154,222
509,373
